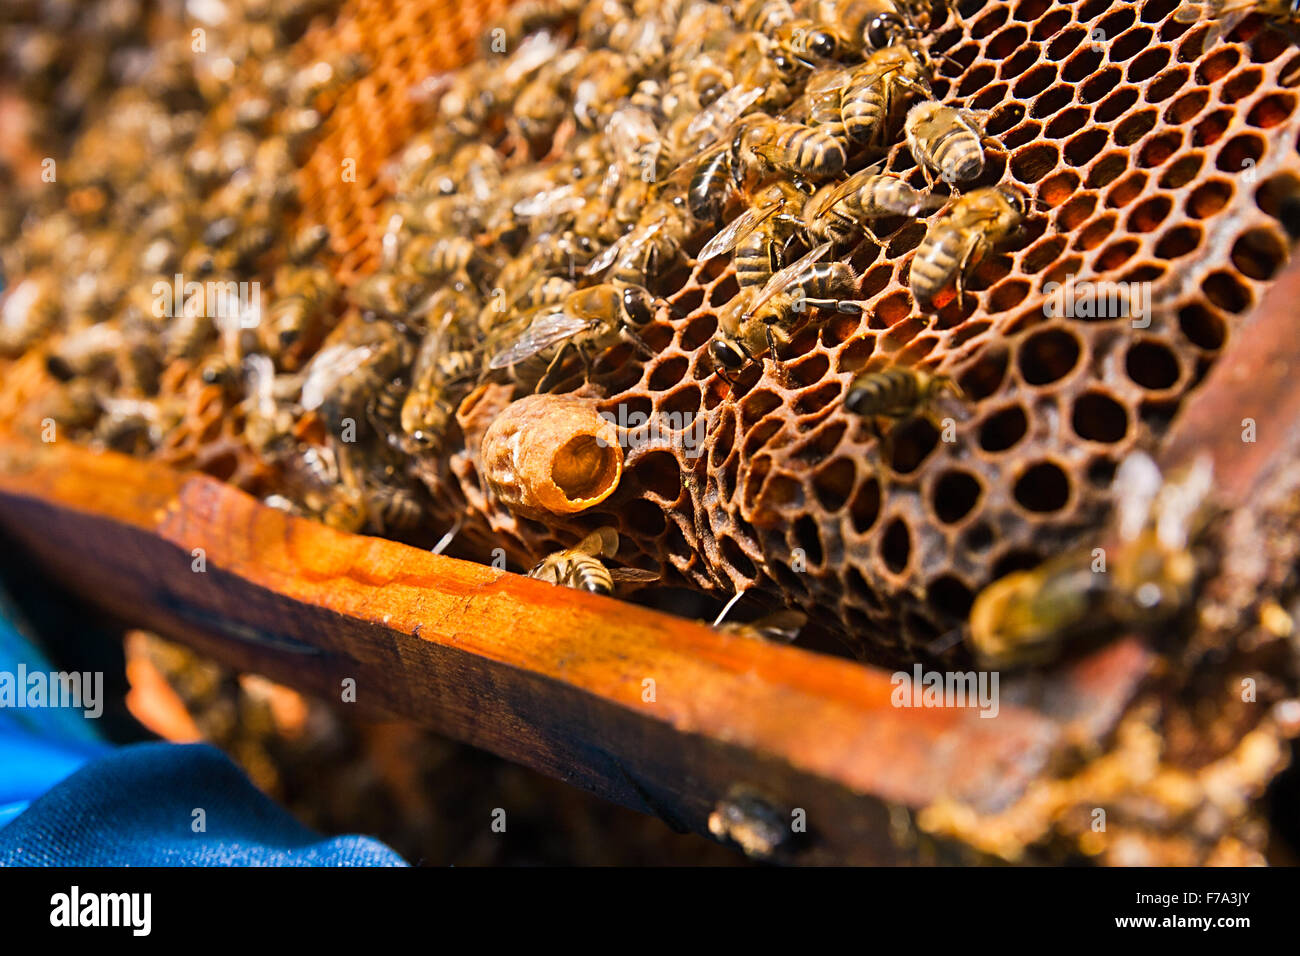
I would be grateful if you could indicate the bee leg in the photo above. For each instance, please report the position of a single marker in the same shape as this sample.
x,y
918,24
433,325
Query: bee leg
x,y
977,245
557,363
637,342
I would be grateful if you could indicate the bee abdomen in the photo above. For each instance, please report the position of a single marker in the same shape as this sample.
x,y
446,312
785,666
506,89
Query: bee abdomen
x,y
708,189
888,392
958,154
935,262
591,575
813,151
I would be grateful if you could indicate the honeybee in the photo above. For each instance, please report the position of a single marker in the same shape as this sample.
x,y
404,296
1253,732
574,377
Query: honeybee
x,y
301,293
393,507
897,392
837,210
960,238
649,250
1026,617
84,351
765,16
779,627
439,257
341,378
427,410
871,94
219,369
759,320
945,141
307,242
760,233
762,143
589,319
30,310
581,567
327,486
871,23
388,294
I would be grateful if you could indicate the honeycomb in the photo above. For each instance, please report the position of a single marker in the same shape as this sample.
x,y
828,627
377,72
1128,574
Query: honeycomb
x,y
1151,158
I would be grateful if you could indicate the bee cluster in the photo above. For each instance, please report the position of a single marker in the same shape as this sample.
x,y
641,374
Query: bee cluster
x,y
818,245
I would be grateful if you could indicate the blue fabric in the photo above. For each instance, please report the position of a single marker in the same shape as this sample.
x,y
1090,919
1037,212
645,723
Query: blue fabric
x,y
136,807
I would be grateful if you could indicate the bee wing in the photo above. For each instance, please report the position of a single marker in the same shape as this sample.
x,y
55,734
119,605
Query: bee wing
x,y
632,133
559,200
736,230
852,184
787,276
607,256
634,575
779,627
718,117
1137,484
601,543
543,332
327,369
827,81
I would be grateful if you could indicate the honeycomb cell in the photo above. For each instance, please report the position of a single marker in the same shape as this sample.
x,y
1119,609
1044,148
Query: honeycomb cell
x,y
658,473
1043,488
950,598
1134,126
833,483
1115,22
1178,242
1167,84
1153,11
1083,63
1096,232
1208,198
1159,148
1240,153
668,373
1106,170
1227,291
1085,146
985,374
976,79
1271,110
1148,64
990,21
1051,24
1067,123
1030,10
1006,42
1259,254
1043,254
1211,127
1003,429
1065,43
1203,328
1048,355
1149,214
910,443
1099,417
1130,44
955,495
1182,171
1187,107
1032,163
896,545
864,509
1126,190
1152,365
1116,105
1217,65
1034,82
1241,85
1056,189
1051,101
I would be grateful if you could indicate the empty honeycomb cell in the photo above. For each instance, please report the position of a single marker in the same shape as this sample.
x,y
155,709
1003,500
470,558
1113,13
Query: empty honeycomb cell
x,y
1043,488
976,79
816,399
967,331
667,373
988,22
1147,215
1153,11
1259,254
1051,101
896,545
1130,44
1003,430
833,483
697,332
1096,232
1268,45
687,301
1040,256
1016,64
1167,84
1240,153
735,556
1066,43
1241,85
1187,106
1182,171
1006,42
1007,295
1051,24
1133,127
875,280
758,436
1179,241
910,443
1203,328
1126,190
724,292
864,509
1212,127
906,239
1274,191
1048,355
1271,110
839,328
1115,22
1067,123
757,405
955,495
1082,63
1217,65
950,598
1115,105
1063,270
809,541
1208,198
681,403
1148,64
1030,10
722,438
853,357
893,308
1152,365
1227,291
1056,189
1085,146
1159,148
1099,417
1107,169
807,371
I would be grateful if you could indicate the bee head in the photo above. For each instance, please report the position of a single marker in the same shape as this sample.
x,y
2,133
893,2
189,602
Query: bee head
x,y
823,44
638,305
884,30
727,354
